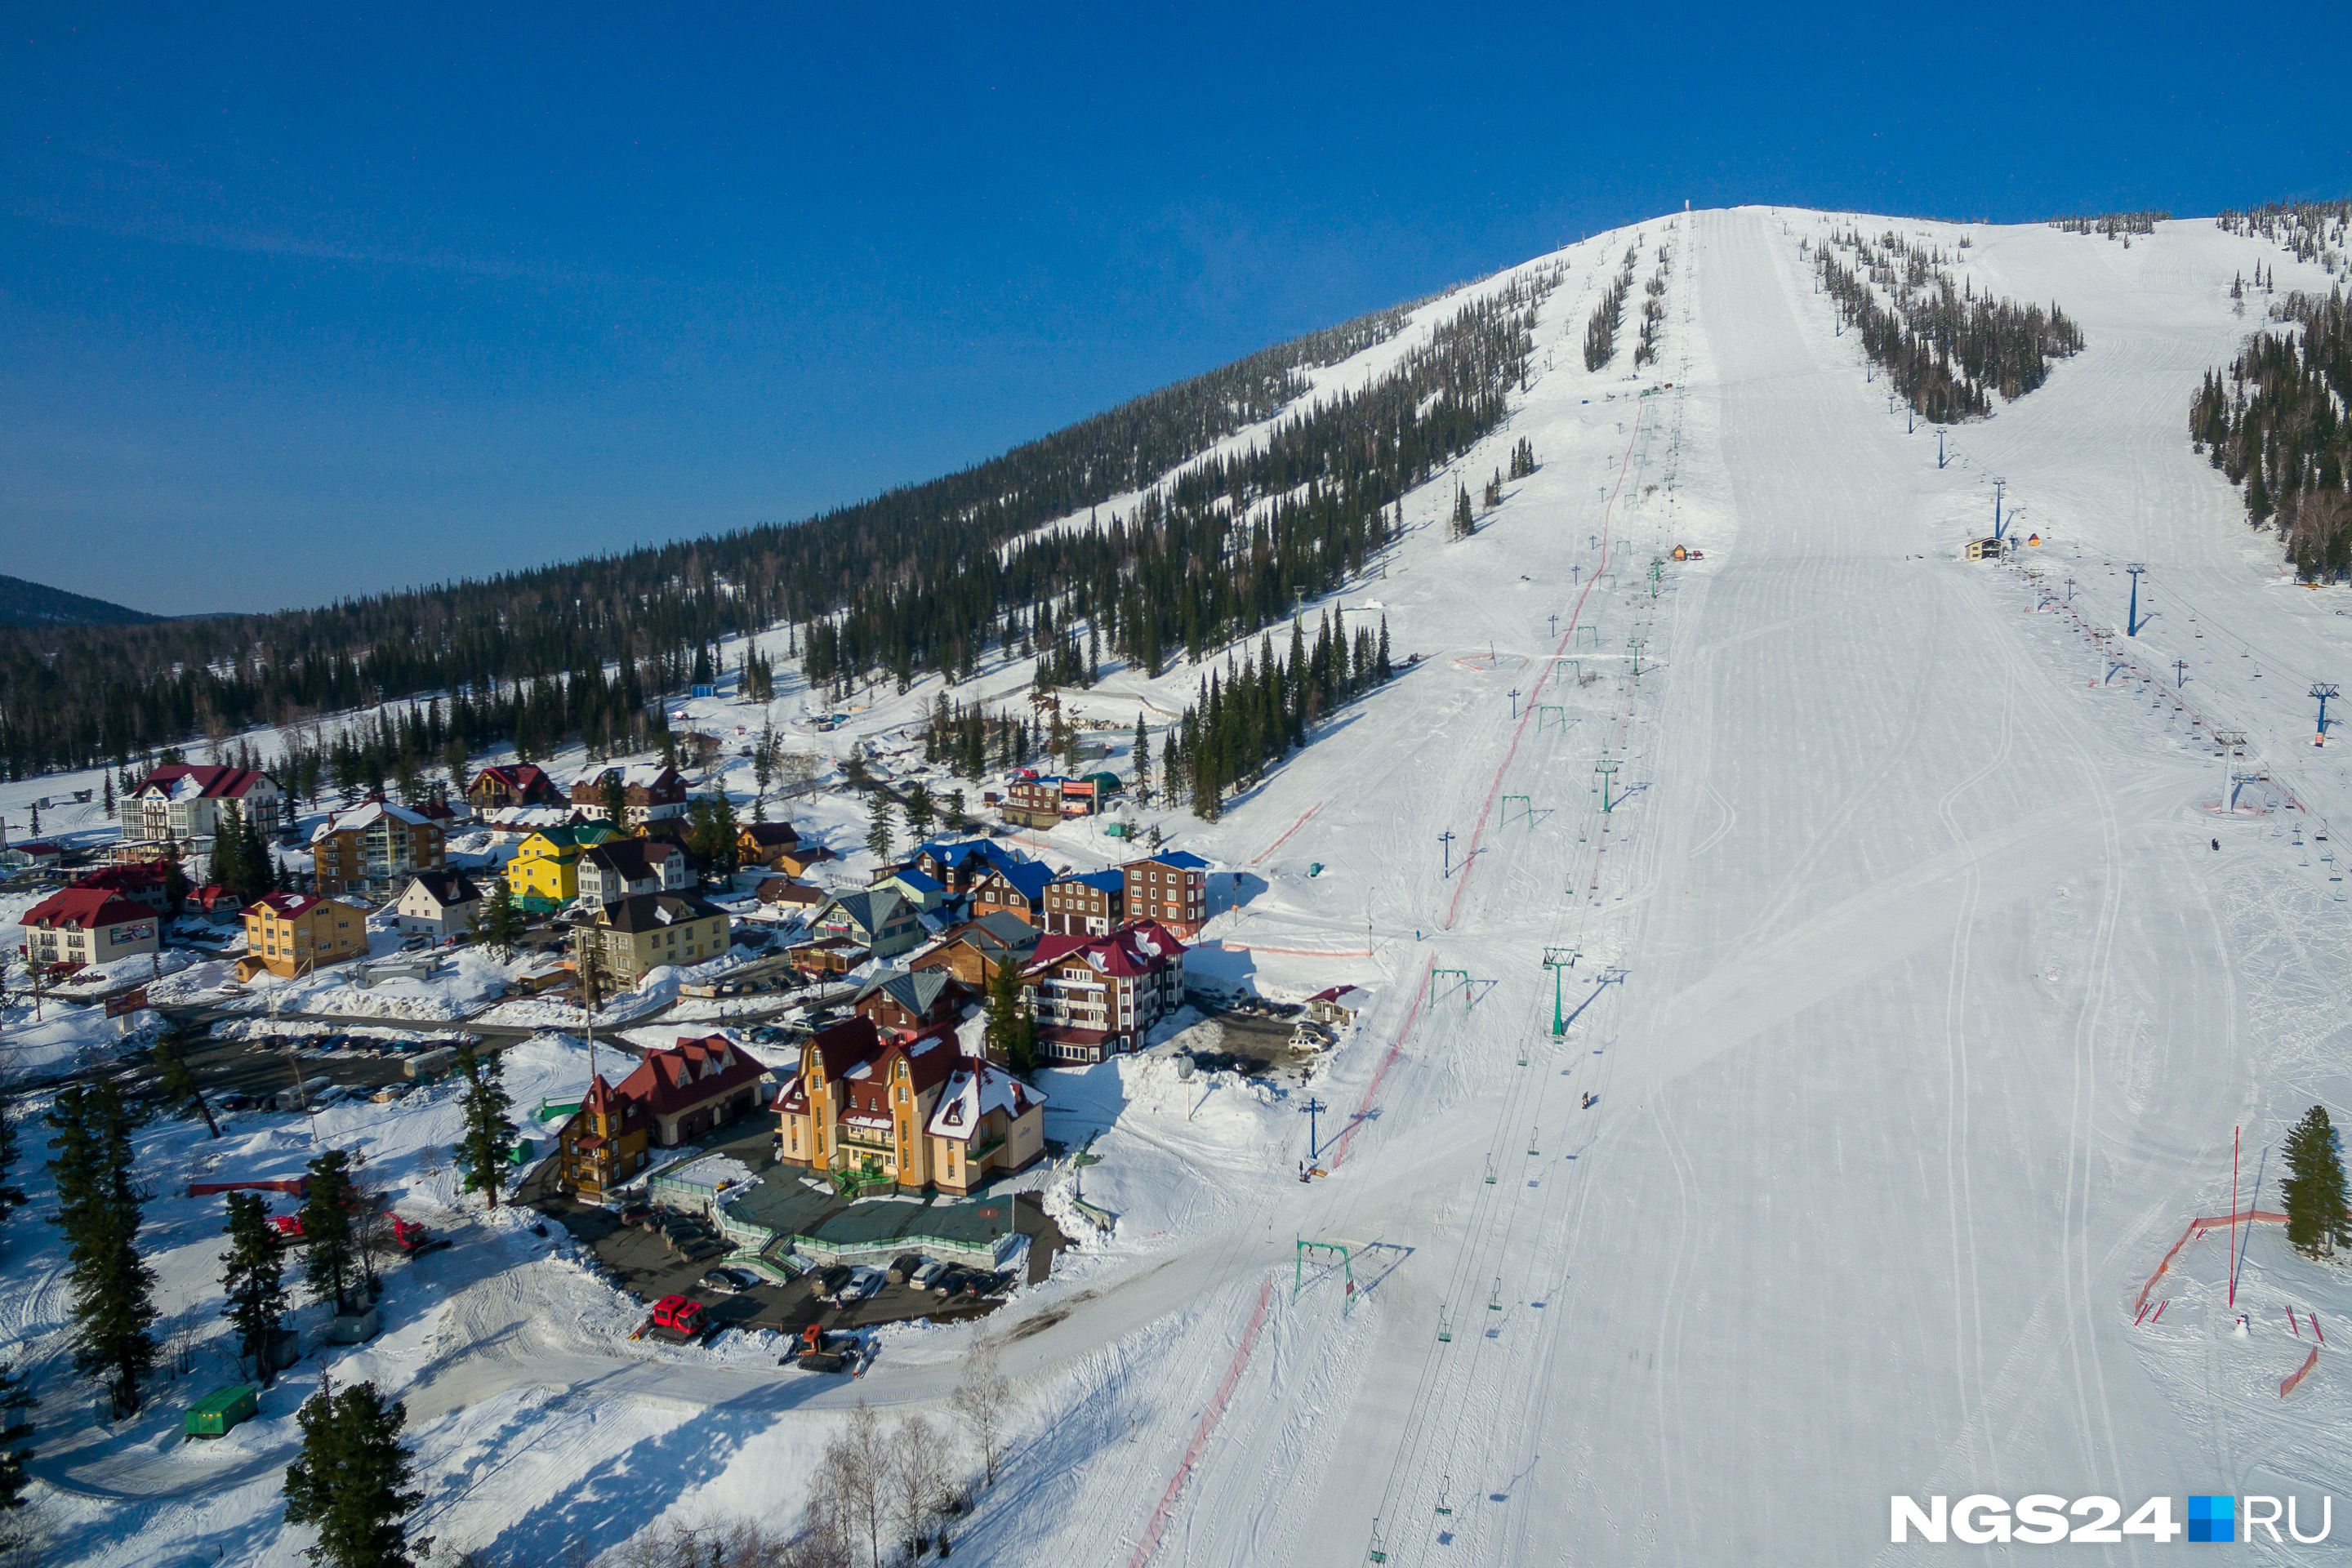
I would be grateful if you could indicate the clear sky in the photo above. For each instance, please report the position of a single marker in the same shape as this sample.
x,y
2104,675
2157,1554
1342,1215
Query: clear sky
x,y
304,302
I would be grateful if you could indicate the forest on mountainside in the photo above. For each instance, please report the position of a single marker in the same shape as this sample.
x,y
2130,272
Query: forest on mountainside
x,y
2274,421
582,649
1945,348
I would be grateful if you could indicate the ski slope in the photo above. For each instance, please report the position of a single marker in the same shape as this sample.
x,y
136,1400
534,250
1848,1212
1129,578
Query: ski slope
x,y
1916,1011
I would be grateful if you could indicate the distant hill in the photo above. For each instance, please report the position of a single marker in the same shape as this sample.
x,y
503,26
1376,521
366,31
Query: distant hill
x,y
24,603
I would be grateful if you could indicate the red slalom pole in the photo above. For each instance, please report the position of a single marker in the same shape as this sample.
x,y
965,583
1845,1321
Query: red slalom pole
x,y
2233,1216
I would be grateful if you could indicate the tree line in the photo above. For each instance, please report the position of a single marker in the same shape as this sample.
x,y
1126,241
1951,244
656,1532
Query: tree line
x,y
2114,225
1946,349
1600,331
2273,422
1251,715
79,697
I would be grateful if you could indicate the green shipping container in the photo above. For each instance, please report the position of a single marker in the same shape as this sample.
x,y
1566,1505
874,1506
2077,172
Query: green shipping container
x,y
223,1408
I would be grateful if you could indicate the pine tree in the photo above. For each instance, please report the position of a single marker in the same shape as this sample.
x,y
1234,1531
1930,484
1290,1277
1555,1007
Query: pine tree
x,y
2314,1187
614,796
228,868
1012,1028
879,834
253,1273
502,920
920,811
12,1461
99,1210
11,1196
1463,524
1141,753
105,800
329,1245
353,1479
175,1078
490,1133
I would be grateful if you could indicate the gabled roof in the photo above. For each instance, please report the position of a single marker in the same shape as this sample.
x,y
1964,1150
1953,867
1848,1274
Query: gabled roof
x,y
292,905
85,909
626,858
842,1046
690,1073
931,1058
1348,996
916,990
651,912
976,1087
869,909
364,815
634,775
915,881
1028,878
446,888
124,879
1101,881
203,781
1143,948
953,853
522,778
771,834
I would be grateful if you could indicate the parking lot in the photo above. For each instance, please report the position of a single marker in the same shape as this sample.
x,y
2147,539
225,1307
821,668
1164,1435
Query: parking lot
x,y
1259,1034
645,1263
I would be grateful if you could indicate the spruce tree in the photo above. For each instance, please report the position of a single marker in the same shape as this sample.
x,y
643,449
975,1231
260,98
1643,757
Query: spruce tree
x,y
99,1210
260,859
12,1461
502,922
1011,1030
253,1272
330,1241
921,811
353,1479
490,1133
176,1079
228,854
879,835
11,1196
106,800
1463,524
614,796
2315,1187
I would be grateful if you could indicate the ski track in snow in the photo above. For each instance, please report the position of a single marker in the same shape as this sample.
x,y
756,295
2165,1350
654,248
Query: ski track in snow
x,y
1917,1012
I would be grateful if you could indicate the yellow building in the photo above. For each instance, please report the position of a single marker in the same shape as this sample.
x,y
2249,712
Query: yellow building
x,y
646,931
916,1113
545,871
291,934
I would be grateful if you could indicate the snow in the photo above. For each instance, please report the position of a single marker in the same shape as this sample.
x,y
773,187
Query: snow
x,y
1918,1012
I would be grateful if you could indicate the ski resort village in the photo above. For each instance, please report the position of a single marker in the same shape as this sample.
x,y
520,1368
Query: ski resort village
x,y
1685,905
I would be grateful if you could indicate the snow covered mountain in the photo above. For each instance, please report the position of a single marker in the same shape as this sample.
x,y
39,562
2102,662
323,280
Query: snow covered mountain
x,y
1926,954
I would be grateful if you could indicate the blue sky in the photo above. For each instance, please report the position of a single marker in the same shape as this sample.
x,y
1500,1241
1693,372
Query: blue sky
x,y
302,303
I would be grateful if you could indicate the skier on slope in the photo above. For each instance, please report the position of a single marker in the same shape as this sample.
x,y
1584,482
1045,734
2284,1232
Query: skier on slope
x,y
2217,846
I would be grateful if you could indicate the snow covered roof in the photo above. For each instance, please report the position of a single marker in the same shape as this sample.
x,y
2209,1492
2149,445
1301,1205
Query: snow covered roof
x,y
1142,948
85,909
634,775
364,815
204,781
976,1087
292,905
689,1073
446,888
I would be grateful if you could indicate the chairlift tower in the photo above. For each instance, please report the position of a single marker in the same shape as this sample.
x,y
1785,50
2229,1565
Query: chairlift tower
x,y
1998,484
1607,768
2323,690
1559,960
2132,623
2231,741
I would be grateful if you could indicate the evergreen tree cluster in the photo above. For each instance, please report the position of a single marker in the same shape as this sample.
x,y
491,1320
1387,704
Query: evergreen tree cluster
x,y
971,742
1253,715
2115,225
1227,547
242,860
1600,331
1945,348
2313,1189
1523,458
99,1204
577,650
2274,421
1653,313
2309,231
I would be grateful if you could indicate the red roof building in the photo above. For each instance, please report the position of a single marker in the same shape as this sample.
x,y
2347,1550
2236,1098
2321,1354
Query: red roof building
x,y
1097,997
141,884
693,1086
182,801
861,1105
88,925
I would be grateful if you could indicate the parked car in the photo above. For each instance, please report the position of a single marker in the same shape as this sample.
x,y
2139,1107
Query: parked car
x,y
831,1280
864,1281
903,1268
634,1211
948,1283
729,1281
929,1274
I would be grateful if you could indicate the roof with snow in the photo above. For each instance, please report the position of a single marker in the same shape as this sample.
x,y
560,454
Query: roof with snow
x,y
85,909
689,1073
1352,998
364,815
868,910
1143,948
446,888
771,834
976,1087
651,912
634,775
292,905
1181,859
203,781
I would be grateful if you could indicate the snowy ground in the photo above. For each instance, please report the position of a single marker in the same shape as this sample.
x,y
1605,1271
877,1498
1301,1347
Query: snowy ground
x,y
1918,1012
